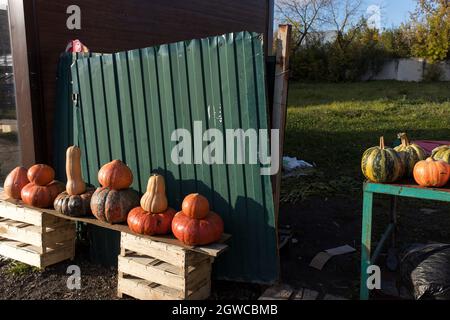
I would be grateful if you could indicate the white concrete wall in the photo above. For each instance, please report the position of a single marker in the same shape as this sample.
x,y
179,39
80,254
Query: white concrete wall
x,y
445,66
407,70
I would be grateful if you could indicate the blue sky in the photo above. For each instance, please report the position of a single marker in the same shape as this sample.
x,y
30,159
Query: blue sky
x,y
393,12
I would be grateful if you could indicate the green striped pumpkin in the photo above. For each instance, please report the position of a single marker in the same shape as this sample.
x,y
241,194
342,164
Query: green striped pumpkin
x,y
441,153
381,164
410,153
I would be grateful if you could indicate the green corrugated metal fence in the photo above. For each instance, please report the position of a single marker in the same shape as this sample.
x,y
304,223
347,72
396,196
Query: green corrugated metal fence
x,y
63,128
129,103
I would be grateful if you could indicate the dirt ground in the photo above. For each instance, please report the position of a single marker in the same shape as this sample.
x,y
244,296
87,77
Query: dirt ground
x,y
317,224
22,282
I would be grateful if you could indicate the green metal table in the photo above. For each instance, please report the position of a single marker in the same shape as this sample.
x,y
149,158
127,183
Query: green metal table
x,y
394,190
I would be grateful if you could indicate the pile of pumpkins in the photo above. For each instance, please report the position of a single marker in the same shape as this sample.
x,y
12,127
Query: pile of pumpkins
x,y
382,164
114,201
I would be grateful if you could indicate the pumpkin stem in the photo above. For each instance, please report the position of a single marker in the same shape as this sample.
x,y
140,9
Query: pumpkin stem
x,y
404,139
381,142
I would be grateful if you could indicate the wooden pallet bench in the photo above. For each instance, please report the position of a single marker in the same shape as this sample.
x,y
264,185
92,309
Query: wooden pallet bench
x,y
34,237
153,270
150,267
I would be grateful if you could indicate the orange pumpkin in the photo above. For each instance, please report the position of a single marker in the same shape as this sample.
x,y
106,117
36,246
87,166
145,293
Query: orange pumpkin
x,y
55,188
41,174
197,231
195,206
15,181
431,173
115,175
143,222
41,196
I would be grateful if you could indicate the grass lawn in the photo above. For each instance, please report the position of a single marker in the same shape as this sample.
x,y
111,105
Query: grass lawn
x,y
331,124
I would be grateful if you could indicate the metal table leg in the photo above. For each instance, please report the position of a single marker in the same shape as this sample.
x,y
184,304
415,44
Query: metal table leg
x,y
366,243
394,201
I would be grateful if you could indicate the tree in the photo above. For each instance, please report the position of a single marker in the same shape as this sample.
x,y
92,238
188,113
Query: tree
x,y
345,17
397,42
303,15
431,23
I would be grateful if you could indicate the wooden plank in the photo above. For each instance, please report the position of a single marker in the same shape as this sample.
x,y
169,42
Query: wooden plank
x,y
61,234
213,250
196,278
142,267
11,249
194,258
201,294
171,254
280,102
63,252
167,267
22,83
168,239
145,290
16,211
277,292
17,231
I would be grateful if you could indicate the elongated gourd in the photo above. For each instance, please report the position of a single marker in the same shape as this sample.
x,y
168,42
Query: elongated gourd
x,y
75,184
154,199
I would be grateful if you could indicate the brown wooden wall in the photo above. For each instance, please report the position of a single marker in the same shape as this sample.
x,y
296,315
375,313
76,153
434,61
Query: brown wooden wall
x,y
115,25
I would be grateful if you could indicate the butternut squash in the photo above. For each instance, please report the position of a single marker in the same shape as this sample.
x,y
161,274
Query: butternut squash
x,y
75,184
154,199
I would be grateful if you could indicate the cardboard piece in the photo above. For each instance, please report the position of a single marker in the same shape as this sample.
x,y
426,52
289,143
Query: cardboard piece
x,y
319,261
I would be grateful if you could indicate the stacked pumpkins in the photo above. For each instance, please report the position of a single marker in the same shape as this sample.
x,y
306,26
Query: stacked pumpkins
x,y
386,165
75,201
195,224
42,189
114,199
153,216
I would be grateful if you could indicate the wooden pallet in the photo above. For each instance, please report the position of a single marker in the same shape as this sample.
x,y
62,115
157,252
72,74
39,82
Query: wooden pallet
x,y
35,237
153,270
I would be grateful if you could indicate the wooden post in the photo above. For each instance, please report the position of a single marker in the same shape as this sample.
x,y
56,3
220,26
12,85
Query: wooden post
x,y
280,102
22,82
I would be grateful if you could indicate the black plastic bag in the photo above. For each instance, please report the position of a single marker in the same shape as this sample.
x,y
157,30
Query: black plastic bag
x,y
425,269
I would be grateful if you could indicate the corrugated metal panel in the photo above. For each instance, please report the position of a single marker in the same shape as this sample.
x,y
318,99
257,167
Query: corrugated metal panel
x,y
131,102
63,128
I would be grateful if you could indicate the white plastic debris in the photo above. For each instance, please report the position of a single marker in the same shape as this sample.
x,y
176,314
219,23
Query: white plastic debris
x,y
290,164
